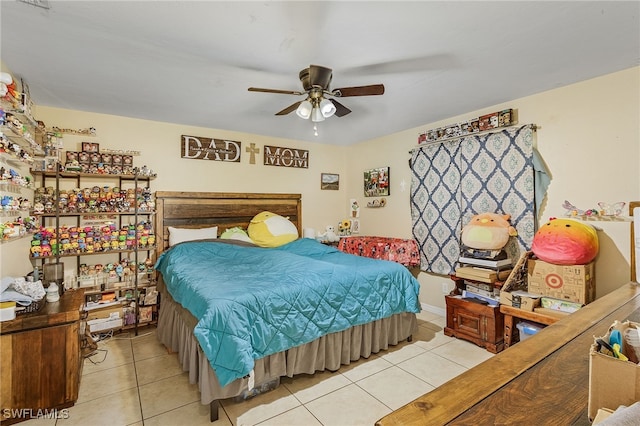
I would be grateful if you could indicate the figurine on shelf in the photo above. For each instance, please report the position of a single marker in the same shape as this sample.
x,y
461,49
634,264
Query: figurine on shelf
x,y
605,211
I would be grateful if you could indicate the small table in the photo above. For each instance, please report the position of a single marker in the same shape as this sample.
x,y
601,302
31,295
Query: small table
x,y
510,312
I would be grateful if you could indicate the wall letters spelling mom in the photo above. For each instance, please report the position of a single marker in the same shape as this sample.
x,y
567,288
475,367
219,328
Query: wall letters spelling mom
x,y
199,148
286,157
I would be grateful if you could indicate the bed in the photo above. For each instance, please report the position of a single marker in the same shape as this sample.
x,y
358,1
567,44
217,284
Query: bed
x,y
245,355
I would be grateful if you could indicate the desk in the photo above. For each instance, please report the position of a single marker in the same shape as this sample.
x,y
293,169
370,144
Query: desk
x,y
510,312
542,380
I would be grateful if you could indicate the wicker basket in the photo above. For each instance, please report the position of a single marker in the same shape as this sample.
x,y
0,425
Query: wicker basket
x,y
35,306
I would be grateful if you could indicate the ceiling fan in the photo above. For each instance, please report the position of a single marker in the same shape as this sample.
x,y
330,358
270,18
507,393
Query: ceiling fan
x,y
320,103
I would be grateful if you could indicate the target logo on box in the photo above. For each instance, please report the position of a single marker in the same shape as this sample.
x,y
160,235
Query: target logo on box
x,y
574,283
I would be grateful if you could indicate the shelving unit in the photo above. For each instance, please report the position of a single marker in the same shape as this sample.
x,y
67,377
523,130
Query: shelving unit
x,y
17,151
96,222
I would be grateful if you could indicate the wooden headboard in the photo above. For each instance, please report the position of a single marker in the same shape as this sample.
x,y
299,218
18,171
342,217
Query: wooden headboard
x,y
222,209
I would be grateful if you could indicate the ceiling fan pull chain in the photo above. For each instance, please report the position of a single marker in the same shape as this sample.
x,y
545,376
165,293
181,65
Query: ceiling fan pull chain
x,y
315,129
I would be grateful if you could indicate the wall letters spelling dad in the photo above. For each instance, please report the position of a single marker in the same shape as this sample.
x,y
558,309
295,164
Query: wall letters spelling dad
x,y
200,148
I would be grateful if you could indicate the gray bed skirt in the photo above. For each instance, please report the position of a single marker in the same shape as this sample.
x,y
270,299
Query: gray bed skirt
x,y
175,331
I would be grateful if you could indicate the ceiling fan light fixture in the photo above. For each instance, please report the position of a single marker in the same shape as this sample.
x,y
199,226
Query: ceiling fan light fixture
x,y
304,110
316,115
327,108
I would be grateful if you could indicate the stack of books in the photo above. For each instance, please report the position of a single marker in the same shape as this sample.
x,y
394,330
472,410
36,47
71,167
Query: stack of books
x,y
484,270
495,264
483,277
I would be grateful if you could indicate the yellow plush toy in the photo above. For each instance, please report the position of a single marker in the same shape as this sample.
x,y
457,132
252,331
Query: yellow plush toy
x,y
271,230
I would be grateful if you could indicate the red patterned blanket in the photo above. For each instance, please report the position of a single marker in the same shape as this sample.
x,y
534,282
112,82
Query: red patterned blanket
x,y
399,250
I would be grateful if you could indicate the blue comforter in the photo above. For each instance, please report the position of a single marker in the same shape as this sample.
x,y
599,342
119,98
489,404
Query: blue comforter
x,y
251,302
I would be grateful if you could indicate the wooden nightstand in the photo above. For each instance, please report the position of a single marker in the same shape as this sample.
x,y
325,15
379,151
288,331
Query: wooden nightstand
x,y
475,322
41,362
480,324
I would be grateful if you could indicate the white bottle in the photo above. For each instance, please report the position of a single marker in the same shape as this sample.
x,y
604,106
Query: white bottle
x,y
52,292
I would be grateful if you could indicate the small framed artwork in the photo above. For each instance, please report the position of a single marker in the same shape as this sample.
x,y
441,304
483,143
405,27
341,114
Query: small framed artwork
x,y
376,182
329,181
90,147
355,226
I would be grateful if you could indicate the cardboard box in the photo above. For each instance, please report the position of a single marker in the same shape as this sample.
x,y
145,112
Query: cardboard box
x,y
575,283
612,381
520,299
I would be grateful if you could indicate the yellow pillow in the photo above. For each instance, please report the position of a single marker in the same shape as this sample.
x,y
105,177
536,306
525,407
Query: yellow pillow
x,y
271,230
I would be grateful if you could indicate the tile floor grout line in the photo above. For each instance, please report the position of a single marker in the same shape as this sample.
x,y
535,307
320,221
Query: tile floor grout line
x,y
135,371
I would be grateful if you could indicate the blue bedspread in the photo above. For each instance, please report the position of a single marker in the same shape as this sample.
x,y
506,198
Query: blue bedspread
x,y
251,302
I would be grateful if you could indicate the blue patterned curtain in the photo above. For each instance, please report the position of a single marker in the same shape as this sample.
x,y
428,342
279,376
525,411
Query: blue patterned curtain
x,y
456,179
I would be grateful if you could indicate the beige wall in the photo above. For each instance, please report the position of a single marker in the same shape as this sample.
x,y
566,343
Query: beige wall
x,y
589,137
159,144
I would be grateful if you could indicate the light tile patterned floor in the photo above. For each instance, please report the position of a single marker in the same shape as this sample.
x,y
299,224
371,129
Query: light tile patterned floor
x,y
139,383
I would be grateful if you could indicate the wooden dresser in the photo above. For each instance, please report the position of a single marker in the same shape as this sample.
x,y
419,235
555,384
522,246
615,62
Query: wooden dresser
x,y
40,364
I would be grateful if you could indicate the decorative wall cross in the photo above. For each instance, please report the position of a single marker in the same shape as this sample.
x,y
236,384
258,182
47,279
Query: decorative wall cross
x,y
252,150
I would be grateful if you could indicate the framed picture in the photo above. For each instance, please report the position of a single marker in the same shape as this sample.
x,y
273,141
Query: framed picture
x,y
90,147
329,181
355,226
376,182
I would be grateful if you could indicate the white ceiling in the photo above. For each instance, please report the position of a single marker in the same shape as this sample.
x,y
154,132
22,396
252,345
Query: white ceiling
x,y
191,62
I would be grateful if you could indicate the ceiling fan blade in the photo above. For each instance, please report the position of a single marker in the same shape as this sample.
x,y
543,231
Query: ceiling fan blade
x,y
283,92
320,76
341,110
373,89
432,62
289,109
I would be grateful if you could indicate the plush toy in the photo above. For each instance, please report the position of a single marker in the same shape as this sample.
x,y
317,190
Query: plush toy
x,y
5,81
565,242
329,235
487,231
268,229
236,233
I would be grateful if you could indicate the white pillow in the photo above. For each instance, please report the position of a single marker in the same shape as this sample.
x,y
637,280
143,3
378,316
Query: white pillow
x,y
179,235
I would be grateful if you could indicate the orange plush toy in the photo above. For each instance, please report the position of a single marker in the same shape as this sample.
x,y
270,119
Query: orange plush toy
x,y
565,242
487,231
